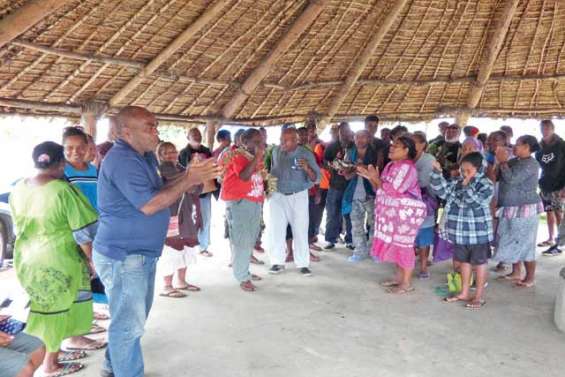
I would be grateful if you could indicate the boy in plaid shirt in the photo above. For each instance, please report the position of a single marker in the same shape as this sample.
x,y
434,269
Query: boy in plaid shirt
x,y
468,222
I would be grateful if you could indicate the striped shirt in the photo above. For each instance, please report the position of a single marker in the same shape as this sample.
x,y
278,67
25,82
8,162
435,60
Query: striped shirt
x,y
84,180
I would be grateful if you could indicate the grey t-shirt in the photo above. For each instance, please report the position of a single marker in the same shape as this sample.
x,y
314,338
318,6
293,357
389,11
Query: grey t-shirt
x,y
424,169
292,179
359,193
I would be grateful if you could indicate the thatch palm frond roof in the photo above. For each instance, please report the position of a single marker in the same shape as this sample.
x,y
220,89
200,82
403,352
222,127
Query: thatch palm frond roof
x,y
260,60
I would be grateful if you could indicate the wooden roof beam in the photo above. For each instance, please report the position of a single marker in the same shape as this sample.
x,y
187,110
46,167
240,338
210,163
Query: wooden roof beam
x,y
210,13
300,25
25,17
488,58
363,59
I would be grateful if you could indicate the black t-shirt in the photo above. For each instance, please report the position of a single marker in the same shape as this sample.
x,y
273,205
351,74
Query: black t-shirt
x,y
381,149
551,158
185,155
333,152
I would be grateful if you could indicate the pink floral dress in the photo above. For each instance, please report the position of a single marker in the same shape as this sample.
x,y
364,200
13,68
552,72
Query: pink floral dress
x,y
399,212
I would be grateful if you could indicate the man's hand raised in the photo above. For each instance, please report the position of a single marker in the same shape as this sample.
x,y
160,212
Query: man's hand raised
x,y
201,171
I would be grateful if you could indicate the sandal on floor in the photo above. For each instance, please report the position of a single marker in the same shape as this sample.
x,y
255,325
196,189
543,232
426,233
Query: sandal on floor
x,y
66,356
94,346
95,329
508,277
254,260
474,305
101,316
314,258
545,243
315,247
389,283
206,254
400,291
452,299
423,275
65,370
172,293
248,286
189,287
521,284
256,277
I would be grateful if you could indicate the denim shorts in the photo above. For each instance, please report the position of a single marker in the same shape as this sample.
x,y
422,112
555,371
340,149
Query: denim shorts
x,y
425,237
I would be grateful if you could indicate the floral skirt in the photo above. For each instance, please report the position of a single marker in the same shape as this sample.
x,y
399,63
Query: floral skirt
x,y
517,239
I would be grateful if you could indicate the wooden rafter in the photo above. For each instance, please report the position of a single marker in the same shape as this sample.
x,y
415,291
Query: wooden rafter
x,y
362,60
488,57
210,12
62,108
300,25
25,17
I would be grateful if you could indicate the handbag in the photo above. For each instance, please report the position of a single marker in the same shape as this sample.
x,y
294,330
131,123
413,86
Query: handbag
x,y
12,326
454,282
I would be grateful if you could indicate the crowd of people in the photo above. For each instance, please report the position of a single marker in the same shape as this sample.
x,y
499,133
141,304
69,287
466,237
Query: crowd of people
x,y
110,214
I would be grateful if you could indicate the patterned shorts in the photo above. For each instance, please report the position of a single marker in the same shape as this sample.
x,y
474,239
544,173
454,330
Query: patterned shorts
x,y
551,201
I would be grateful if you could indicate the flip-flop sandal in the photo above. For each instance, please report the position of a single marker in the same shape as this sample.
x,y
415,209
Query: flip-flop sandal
x,y
507,277
521,284
206,254
257,261
94,346
173,293
256,277
95,329
66,356
190,288
65,370
545,243
101,316
475,305
248,286
452,299
400,291
389,284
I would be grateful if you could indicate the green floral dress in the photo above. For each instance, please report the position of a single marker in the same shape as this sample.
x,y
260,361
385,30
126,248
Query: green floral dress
x,y
49,264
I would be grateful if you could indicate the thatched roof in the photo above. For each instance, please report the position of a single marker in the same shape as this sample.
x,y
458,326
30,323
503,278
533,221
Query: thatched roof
x,y
277,60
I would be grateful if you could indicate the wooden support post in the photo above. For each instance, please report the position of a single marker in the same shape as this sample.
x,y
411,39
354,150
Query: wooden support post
x,y
210,12
363,59
90,113
488,56
462,117
23,18
299,26
210,135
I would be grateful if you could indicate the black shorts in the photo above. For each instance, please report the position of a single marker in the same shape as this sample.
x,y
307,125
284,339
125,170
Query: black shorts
x,y
473,254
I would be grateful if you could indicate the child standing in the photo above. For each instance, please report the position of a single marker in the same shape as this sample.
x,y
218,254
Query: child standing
x,y
181,244
468,223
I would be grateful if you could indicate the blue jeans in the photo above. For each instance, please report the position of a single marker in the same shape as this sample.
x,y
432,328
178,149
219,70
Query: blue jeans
x,y
206,212
129,286
334,219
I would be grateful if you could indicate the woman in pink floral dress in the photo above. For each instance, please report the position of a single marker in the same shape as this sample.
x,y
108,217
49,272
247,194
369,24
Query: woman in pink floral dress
x,y
399,212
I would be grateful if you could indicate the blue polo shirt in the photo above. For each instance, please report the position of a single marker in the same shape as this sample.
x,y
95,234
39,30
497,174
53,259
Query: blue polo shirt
x,y
126,182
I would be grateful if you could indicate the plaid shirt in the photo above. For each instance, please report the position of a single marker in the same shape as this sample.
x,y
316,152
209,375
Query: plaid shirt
x,y
468,220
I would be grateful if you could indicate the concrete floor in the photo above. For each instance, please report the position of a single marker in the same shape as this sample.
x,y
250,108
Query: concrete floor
x,y
340,323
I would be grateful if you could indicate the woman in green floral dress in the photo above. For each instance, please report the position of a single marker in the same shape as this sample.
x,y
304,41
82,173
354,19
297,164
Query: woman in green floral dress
x,y
51,219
